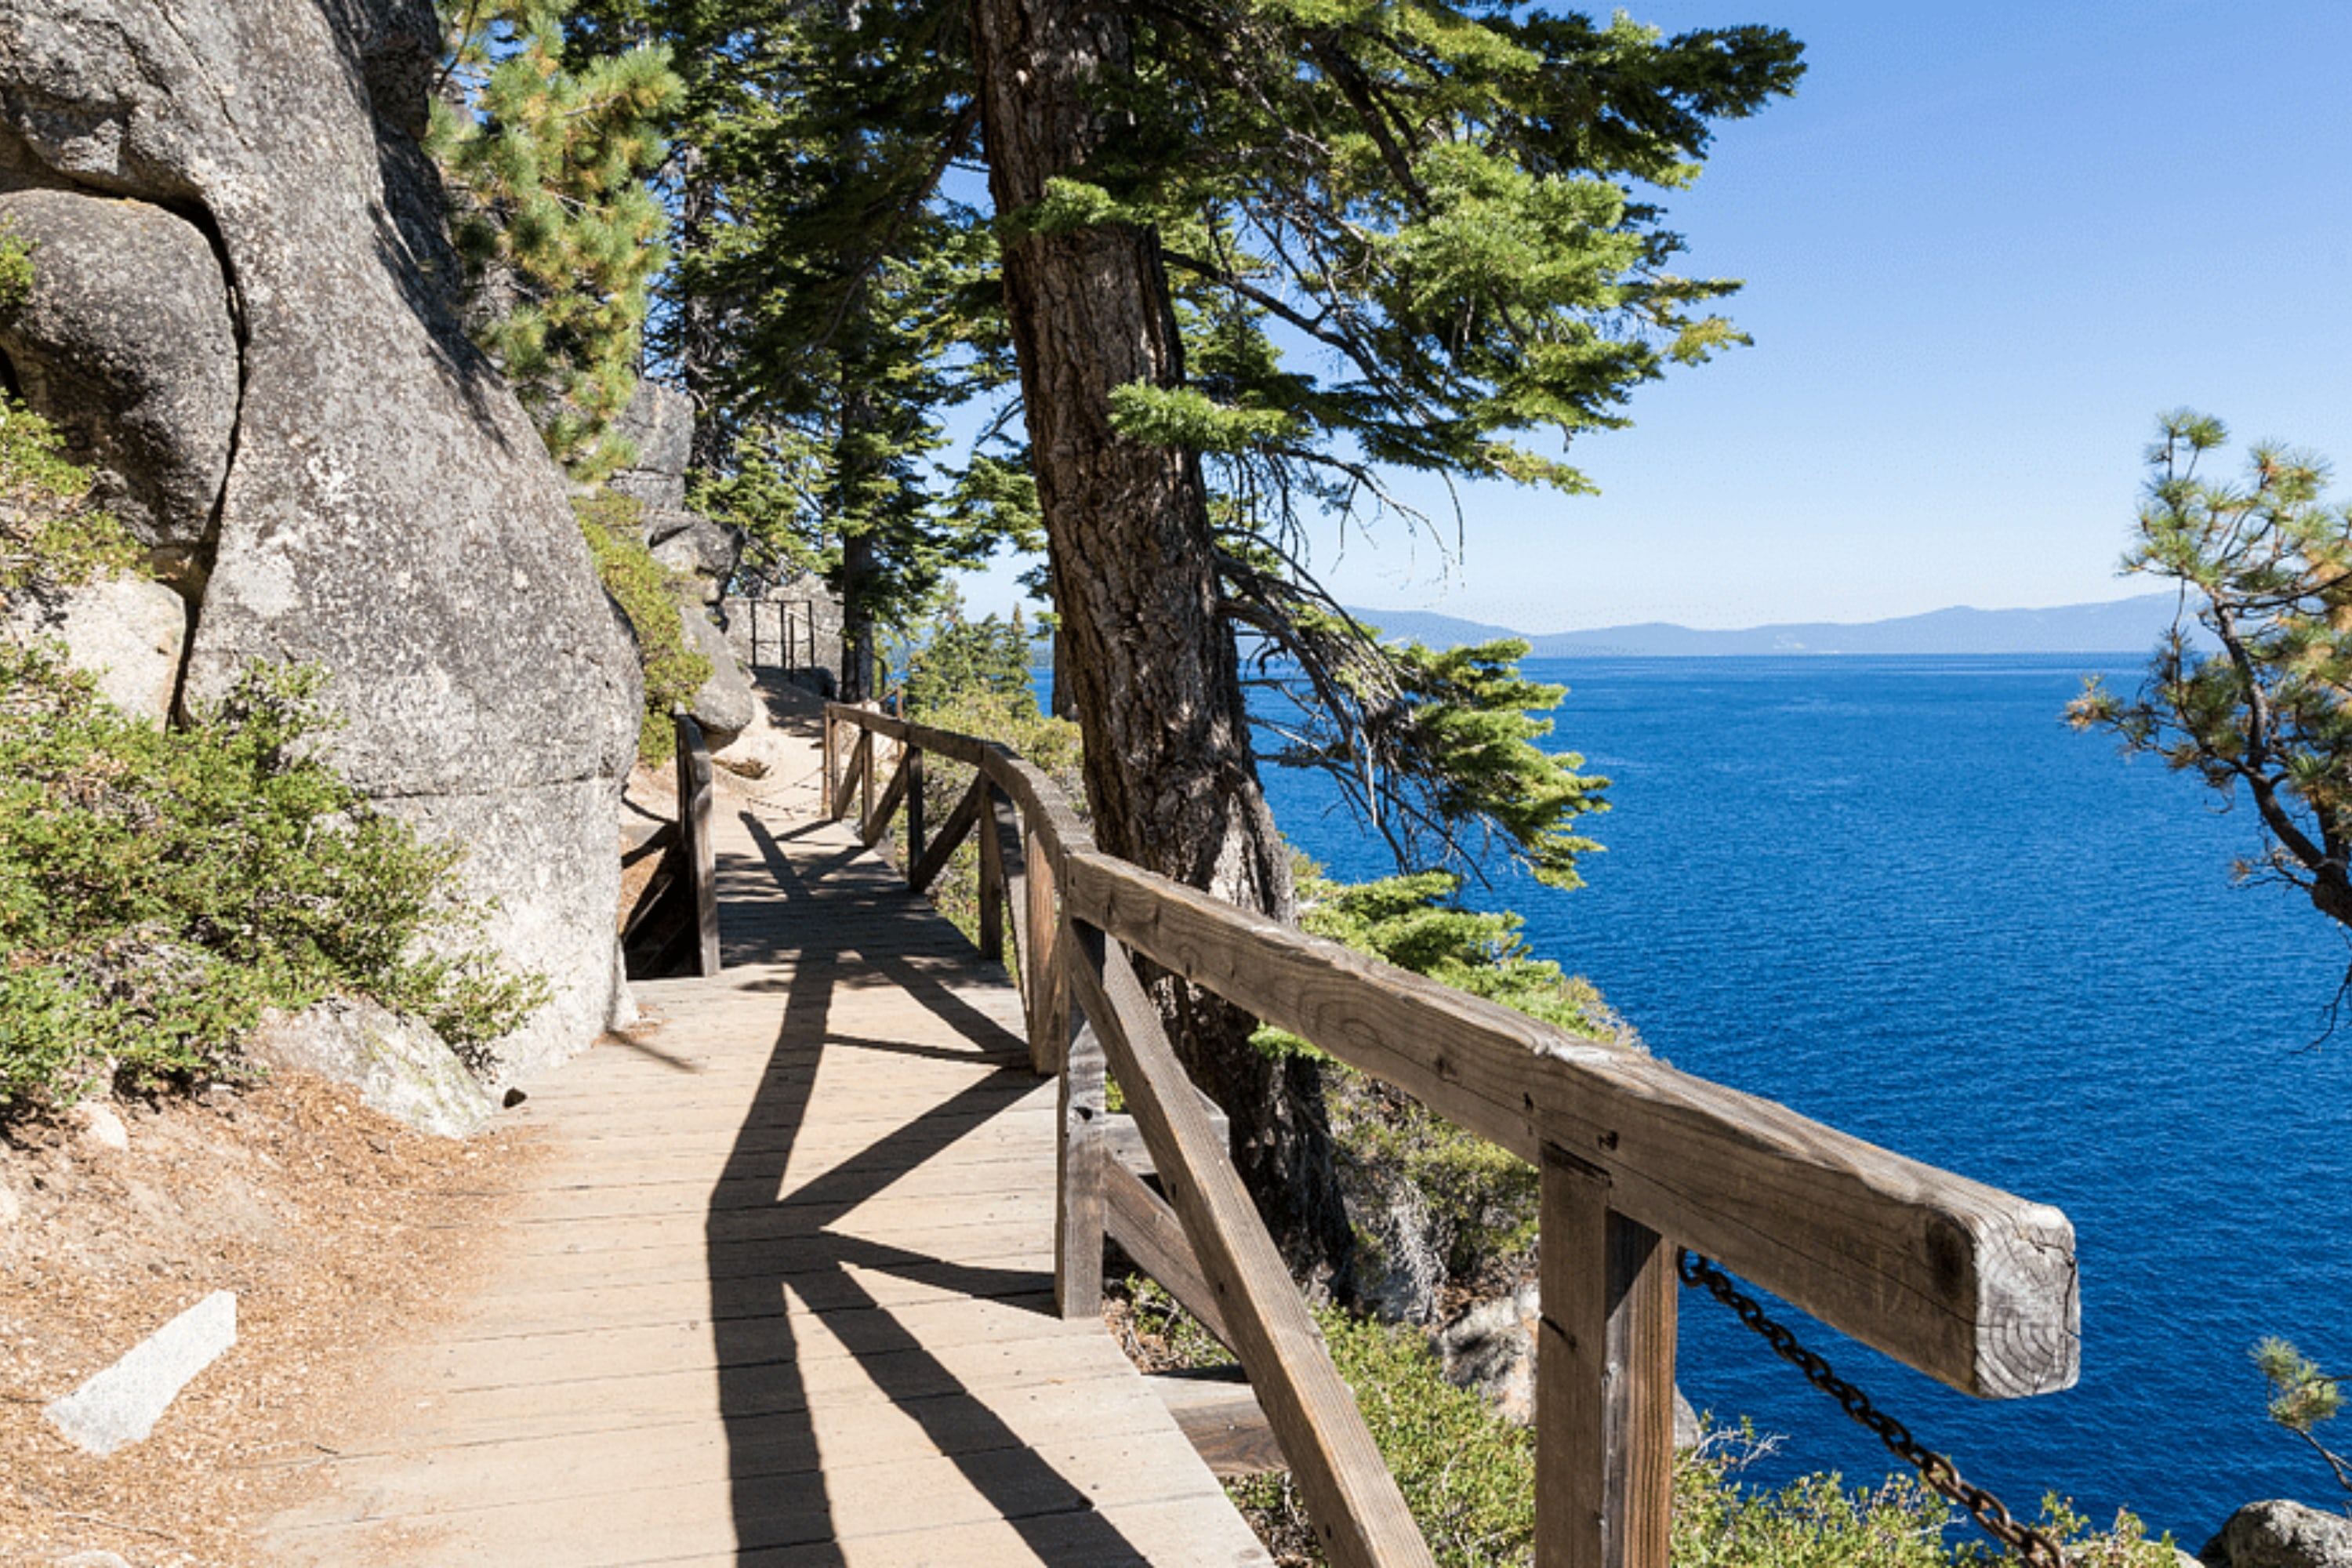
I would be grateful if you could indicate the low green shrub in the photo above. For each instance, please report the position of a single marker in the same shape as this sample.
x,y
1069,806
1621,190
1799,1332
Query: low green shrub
x,y
1010,716
645,591
51,534
159,889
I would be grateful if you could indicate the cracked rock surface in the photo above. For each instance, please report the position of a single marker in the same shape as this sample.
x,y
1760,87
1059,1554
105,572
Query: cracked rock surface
x,y
387,509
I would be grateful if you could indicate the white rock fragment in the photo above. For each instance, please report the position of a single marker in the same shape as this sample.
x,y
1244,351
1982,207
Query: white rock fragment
x,y
120,1405
99,1125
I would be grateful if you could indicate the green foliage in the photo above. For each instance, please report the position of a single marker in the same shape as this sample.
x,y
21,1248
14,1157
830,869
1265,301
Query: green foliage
x,y
648,594
959,657
51,534
1479,1201
1012,720
15,268
547,163
1813,1522
1467,1476
1434,750
2302,1397
159,889
1465,237
2266,566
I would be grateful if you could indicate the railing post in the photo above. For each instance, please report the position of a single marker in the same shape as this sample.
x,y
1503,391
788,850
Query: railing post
x,y
914,806
1047,998
992,875
694,838
867,759
1078,1160
832,767
1604,1378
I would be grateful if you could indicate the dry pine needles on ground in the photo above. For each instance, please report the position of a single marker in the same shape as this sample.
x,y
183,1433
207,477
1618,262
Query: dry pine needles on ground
x,y
340,1231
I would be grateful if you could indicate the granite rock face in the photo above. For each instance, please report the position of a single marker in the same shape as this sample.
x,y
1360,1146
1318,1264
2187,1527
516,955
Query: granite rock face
x,y
129,632
724,704
388,511
2280,1534
659,422
126,347
400,1067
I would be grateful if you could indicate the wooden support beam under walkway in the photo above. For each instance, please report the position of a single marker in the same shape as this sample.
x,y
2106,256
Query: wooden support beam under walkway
x,y
782,1292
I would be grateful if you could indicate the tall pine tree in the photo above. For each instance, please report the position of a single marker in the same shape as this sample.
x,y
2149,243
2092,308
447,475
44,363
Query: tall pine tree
x,y
547,159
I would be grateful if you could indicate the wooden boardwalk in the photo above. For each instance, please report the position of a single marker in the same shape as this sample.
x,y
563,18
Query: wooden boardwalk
x,y
782,1295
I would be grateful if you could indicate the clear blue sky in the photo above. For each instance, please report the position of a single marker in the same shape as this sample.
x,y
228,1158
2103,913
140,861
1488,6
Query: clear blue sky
x,y
1983,246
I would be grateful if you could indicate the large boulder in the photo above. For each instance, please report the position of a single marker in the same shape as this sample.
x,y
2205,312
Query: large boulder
x,y
399,1066
691,543
126,347
127,631
389,512
659,423
2280,1534
724,705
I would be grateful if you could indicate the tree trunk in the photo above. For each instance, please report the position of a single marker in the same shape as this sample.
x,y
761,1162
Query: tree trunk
x,y
1147,657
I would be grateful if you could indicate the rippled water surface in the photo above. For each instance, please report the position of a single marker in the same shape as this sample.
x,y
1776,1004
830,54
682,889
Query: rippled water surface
x,y
1899,895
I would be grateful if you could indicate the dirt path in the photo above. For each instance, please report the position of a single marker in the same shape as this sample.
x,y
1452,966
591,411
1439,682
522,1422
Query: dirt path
x,y
340,1231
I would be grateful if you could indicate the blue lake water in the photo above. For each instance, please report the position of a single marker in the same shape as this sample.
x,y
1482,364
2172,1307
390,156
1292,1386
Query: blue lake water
x,y
1899,896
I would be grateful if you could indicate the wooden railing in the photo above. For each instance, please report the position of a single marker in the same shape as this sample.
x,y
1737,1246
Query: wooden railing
x,y
673,927
1971,1284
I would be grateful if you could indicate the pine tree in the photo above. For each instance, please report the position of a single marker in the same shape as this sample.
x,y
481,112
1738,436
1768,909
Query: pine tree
x,y
1453,209
546,163
2264,565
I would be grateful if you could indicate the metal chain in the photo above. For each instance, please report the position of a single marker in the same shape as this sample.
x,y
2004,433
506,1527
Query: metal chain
x,y
1935,1470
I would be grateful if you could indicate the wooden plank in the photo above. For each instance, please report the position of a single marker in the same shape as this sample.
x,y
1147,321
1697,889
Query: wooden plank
x,y
959,823
1640,1395
1571,1365
914,766
696,853
861,756
991,874
1604,1378
877,815
1041,992
1013,876
1078,1217
1124,1139
1970,1284
1223,1420
1140,1220
1359,1518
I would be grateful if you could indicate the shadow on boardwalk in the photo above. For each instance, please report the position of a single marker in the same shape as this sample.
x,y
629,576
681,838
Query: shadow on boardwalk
x,y
756,1353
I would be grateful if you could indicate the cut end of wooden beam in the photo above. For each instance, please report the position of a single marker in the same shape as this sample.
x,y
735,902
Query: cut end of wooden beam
x,y
2029,1331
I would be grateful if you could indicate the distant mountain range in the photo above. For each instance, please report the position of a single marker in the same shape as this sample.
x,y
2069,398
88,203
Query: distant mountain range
x,y
2120,626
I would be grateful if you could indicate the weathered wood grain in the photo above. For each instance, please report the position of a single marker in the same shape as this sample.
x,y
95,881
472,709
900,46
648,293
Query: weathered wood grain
x,y
1358,1516
1968,1283
695,848
877,813
1141,1220
1223,1419
1078,1216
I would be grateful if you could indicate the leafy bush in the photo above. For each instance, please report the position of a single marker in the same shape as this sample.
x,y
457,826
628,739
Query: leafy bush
x,y
15,268
1468,1477
644,588
160,889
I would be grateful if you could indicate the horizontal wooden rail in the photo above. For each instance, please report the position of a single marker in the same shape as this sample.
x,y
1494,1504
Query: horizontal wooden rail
x,y
1967,1283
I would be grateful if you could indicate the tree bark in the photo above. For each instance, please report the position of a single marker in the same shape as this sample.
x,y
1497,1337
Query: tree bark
x,y
1147,654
